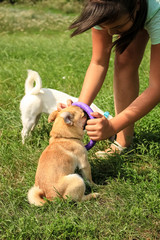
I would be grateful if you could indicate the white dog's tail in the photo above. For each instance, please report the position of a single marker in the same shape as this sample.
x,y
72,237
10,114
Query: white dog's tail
x,y
35,196
29,84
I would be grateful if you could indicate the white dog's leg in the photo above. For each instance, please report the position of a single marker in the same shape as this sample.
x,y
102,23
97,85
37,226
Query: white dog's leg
x,y
28,125
24,134
36,121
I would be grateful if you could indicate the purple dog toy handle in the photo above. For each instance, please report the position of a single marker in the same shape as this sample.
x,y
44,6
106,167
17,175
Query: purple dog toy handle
x,y
88,110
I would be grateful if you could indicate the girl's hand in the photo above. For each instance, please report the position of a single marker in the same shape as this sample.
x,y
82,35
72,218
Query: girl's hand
x,y
61,106
99,128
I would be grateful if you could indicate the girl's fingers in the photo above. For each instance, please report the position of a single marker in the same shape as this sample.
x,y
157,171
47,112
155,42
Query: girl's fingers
x,y
96,120
61,106
92,134
96,115
69,102
91,127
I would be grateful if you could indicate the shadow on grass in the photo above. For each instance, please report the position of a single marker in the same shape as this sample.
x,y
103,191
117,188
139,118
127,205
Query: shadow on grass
x,y
148,143
102,169
139,163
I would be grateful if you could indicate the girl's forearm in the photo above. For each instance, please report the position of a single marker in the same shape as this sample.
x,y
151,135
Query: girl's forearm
x,y
95,75
137,109
93,81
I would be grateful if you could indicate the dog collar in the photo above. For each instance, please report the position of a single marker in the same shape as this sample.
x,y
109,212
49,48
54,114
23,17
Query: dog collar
x,y
88,110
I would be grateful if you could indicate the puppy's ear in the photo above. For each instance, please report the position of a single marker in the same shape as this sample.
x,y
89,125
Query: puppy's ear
x,y
52,116
68,117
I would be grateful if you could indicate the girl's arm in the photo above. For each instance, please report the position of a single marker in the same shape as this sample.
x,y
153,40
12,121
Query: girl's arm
x,y
95,75
147,100
101,128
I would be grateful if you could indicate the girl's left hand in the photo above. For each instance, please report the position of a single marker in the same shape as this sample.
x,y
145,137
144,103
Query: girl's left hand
x,y
99,128
61,106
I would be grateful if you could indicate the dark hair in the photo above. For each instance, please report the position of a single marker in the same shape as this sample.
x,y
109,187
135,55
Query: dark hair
x,y
97,12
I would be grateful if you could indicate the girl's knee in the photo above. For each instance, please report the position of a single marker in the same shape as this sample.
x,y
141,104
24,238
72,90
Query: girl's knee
x,y
128,59
132,56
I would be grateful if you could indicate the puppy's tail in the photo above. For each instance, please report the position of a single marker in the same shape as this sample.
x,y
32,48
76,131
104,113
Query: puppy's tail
x,y
35,196
33,76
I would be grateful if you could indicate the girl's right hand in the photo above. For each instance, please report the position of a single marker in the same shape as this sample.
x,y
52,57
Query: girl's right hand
x,y
99,128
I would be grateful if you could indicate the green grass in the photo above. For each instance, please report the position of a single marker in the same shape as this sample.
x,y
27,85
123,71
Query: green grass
x,y
36,37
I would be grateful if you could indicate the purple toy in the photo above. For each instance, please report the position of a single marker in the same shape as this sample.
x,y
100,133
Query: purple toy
x,y
88,110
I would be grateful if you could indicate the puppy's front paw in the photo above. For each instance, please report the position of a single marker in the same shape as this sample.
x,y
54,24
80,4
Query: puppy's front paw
x,y
95,195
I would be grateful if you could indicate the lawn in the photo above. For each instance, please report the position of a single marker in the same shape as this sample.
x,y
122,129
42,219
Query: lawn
x,y
37,37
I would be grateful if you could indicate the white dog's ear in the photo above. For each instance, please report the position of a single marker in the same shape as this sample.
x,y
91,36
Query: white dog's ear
x,y
68,117
52,116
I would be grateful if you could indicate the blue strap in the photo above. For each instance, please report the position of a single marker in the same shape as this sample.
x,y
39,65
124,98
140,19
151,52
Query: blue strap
x,y
106,114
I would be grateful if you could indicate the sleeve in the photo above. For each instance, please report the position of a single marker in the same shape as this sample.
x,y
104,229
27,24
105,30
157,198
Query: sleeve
x,y
153,28
97,27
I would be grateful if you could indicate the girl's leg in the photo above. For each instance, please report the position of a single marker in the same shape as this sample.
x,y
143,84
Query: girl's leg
x,y
126,81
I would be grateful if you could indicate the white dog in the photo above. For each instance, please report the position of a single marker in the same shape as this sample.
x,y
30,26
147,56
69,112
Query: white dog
x,y
39,100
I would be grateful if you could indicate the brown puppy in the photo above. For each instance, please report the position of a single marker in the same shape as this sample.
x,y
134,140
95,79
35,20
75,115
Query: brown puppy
x,y
55,176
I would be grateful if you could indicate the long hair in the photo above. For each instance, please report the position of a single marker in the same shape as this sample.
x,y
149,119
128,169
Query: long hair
x,y
96,12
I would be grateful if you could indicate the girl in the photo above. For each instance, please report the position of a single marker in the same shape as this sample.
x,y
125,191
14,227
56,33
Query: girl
x,y
134,22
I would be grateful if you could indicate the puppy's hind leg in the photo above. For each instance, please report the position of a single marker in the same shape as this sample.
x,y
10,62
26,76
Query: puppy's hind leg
x,y
74,187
